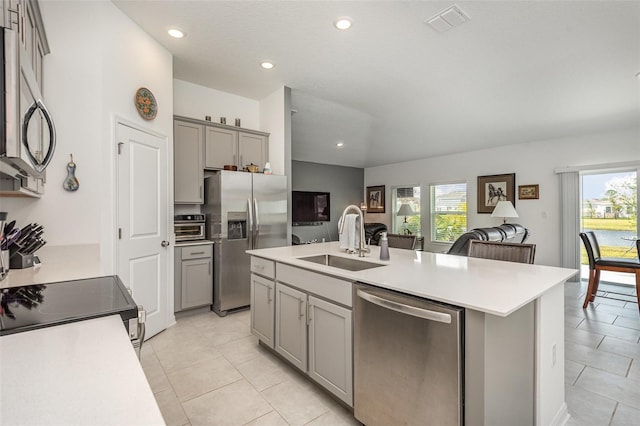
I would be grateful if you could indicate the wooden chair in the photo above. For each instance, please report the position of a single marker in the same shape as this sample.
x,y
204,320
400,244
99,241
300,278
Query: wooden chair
x,y
402,241
496,250
598,263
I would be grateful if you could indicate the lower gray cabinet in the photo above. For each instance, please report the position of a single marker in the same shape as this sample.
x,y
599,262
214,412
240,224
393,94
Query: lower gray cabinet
x,y
262,309
330,347
193,279
291,325
315,336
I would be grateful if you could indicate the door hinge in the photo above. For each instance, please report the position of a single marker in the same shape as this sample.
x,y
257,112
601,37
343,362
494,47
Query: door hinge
x,y
119,233
120,147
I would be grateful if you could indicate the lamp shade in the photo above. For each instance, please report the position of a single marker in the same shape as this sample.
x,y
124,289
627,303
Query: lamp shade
x,y
504,209
405,210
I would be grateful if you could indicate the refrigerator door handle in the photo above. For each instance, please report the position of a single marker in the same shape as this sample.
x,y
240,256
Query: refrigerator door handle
x,y
257,229
250,230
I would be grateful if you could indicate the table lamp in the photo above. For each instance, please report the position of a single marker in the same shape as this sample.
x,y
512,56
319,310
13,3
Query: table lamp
x,y
504,209
405,210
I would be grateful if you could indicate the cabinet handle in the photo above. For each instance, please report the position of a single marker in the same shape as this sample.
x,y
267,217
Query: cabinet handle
x,y
269,298
241,161
209,268
309,310
300,302
201,192
234,160
196,252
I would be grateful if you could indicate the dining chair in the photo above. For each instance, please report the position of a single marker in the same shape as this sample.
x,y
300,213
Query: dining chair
x,y
497,250
402,241
598,263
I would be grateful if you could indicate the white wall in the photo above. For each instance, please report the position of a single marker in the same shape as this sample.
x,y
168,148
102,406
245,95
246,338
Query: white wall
x,y
532,162
272,120
195,101
98,59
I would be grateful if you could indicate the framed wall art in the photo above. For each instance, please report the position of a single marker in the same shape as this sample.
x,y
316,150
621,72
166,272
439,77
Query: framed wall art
x,y
375,199
528,192
495,188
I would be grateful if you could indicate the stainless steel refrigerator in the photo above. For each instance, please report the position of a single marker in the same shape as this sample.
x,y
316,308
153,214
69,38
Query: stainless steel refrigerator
x,y
243,211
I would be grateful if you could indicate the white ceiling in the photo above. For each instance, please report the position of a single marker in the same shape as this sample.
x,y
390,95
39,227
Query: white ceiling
x,y
393,89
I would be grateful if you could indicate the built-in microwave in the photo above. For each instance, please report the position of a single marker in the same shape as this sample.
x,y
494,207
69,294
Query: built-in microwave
x,y
27,132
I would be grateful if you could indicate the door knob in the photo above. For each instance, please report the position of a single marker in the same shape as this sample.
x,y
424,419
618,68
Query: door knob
x,y
164,243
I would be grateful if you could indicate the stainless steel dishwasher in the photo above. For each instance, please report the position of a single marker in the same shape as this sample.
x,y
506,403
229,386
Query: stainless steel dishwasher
x,y
408,359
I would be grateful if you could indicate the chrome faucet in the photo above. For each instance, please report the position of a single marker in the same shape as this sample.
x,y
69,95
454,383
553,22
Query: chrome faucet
x,y
361,248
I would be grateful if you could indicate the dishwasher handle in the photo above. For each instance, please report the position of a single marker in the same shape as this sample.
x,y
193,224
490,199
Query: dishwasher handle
x,y
405,309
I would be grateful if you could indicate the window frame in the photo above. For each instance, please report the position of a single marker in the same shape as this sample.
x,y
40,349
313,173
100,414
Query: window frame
x,y
394,208
432,213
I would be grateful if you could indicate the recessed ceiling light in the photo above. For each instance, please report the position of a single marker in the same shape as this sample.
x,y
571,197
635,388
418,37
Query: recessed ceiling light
x,y
267,65
343,23
176,33
340,144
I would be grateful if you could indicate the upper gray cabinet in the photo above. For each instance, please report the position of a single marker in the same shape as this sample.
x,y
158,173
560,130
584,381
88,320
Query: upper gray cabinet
x,y
225,146
233,146
24,17
221,148
188,165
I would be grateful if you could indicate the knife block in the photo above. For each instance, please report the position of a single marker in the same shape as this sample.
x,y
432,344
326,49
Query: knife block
x,y
21,261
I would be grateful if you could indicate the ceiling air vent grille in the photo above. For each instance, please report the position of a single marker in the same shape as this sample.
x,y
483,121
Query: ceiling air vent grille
x,y
451,17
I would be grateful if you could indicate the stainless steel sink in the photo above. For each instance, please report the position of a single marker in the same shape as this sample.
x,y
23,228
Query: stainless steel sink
x,y
340,262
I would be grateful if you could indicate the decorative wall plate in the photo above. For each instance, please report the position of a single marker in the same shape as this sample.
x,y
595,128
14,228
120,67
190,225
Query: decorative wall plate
x,y
146,103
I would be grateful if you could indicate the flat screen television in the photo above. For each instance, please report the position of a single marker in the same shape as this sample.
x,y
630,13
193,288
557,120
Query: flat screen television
x,y
310,206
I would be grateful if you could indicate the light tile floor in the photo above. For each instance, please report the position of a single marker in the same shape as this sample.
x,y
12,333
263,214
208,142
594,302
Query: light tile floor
x,y
208,370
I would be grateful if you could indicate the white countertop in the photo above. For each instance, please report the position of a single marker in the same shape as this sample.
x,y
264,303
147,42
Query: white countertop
x,y
82,373
489,286
59,263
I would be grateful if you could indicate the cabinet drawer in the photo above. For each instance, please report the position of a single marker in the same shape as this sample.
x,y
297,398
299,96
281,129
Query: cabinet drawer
x,y
263,267
325,286
197,252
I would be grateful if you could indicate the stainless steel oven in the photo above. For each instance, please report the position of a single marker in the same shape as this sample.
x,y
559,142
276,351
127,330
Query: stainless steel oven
x,y
189,227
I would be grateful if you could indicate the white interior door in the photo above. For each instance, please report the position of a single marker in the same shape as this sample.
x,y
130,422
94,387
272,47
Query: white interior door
x,y
142,174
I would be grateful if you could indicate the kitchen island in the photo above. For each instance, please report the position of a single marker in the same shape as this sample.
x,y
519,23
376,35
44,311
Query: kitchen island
x,y
514,317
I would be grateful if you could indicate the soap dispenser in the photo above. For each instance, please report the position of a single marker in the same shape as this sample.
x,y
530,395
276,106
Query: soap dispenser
x,y
384,246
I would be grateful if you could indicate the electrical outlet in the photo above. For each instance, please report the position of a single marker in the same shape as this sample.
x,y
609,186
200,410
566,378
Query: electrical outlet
x,y
553,355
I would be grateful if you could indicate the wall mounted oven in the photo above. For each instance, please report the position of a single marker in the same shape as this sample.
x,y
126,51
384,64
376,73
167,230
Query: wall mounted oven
x,y
27,132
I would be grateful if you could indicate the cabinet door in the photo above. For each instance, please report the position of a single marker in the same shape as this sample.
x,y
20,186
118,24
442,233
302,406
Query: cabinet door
x,y
253,149
330,348
262,309
291,325
221,148
197,282
188,165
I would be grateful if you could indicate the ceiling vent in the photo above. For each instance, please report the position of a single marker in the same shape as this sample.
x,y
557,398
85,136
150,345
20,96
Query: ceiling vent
x,y
451,17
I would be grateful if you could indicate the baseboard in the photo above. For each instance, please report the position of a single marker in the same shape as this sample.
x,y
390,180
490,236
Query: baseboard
x,y
562,416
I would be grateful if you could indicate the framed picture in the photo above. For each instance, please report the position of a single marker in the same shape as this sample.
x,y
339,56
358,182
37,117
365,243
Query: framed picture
x,y
528,192
494,188
375,199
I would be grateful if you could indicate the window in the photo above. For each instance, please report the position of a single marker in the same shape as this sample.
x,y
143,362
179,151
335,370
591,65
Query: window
x,y
406,210
448,211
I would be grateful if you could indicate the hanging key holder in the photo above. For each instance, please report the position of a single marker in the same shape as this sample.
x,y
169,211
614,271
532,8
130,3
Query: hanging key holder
x,y
71,182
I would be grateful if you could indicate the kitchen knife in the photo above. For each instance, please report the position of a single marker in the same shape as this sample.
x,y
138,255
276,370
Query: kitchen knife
x,y
9,227
29,248
37,246
26,232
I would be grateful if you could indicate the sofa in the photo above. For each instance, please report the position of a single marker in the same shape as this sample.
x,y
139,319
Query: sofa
x,y
507,232
372,232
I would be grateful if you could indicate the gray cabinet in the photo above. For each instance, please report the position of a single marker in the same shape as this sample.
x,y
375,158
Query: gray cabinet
x,y
330,347
263,309
221,148
313,330
227,146
188,165
193,283
291,325
252,149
